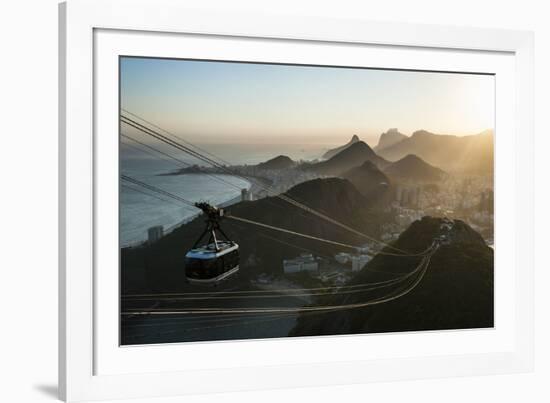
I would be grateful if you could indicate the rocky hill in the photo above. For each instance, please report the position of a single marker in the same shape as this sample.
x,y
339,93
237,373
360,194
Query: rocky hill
x,y
331,153
468,154
388,139
456,291
413,169
353,156
368,179
279,162
160,266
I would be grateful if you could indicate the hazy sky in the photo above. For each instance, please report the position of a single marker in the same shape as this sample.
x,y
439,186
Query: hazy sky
x,y
232,102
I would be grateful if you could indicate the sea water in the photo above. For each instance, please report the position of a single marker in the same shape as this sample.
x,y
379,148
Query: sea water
x,y
139,211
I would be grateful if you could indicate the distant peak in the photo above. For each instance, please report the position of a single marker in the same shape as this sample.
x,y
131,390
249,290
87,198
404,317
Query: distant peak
x,y
359,145
281,157
392,132
412,157
487,132
412,168
331,153
389,138
420,133
279,162
369,164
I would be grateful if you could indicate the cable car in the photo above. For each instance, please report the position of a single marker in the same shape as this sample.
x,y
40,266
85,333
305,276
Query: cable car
x,y
215,260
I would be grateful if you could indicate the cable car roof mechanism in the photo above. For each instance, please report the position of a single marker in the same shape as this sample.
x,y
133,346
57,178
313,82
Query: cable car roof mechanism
x,y
218,258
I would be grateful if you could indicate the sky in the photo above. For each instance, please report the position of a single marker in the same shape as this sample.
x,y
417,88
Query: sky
x,y
224,102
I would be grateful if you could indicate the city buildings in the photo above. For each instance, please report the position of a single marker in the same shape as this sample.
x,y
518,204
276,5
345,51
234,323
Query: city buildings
x,y
359,261
246,195
466,197
342,257
305,262
155,233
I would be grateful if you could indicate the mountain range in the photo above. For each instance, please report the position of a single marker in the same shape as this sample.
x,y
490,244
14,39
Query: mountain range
x,y
455,293
389,138
411,168
159,266
279,162
352,156
331,153
368,179
468,154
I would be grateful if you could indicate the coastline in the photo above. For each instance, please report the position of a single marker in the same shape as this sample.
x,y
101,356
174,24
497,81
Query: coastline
x,y
253,187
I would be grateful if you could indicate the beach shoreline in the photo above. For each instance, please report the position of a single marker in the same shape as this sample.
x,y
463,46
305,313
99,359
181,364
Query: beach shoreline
x,y
256,184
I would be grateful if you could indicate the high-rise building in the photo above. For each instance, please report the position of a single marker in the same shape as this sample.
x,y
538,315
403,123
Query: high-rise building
x,y
246,195
413,196
305,262
404,196
342,257
155,233
482,202
399,193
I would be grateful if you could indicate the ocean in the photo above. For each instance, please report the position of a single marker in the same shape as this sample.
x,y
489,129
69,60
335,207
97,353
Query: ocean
x,y
139,211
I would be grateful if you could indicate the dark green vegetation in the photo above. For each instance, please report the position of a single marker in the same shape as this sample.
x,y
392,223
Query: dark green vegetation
x,y
160,267
455,293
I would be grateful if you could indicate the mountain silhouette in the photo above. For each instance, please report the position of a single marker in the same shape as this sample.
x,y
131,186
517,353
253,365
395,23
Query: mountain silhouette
x,y
388,139
280,162
352,156
456,291
159,266
413,169
331,153
468,154
368,179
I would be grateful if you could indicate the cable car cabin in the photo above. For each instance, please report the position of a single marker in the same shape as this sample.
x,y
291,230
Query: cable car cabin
x,y
209,264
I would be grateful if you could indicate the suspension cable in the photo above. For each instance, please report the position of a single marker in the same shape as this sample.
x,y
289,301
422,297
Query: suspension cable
x,y
181,199
390,297
174,160
248,221
155,189
148,194
210,161
233,217
174,135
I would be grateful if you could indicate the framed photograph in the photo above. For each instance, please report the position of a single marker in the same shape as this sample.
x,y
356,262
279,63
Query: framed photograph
x,y
251,201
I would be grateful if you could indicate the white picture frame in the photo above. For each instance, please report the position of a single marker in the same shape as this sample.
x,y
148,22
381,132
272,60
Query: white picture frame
x,y
82,327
